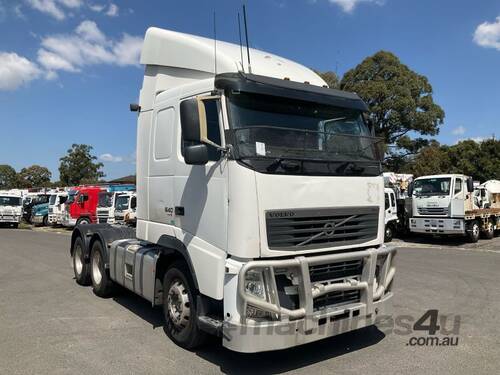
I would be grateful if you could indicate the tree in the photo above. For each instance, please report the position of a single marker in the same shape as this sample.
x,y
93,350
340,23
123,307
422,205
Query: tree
x,y
330,78
400,102
481,160
34,176
79,166
432,159
8,177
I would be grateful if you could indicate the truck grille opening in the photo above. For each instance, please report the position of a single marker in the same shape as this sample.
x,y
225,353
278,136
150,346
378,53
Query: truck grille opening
x,y
432,211
314,228
341,270
336,299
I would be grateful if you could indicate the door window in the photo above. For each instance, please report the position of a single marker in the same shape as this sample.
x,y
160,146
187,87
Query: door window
x,y
458,185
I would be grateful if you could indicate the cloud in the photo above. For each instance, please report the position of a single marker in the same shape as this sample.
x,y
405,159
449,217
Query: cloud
x,y
488,34
459,130
110,158
348,5
88,45
16,71
97,7
112,10
55,8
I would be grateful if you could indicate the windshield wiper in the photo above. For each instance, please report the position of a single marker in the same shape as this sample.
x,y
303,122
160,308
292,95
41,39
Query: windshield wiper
x,y
349,167
287,165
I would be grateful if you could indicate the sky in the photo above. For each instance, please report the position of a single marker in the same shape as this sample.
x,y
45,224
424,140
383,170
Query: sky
x,y
70,68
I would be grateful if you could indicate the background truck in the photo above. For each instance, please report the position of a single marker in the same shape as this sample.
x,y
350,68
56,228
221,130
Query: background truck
x,y
444,204
260,202
391,214
81,206
125,208
106,204
40,214
11,208
31,201
56,207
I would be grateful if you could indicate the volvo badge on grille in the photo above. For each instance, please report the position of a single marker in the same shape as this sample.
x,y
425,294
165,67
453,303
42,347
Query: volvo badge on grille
x,y
328,230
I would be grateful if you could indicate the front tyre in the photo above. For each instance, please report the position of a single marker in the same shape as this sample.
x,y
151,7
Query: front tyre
x,y
473,232
83,221
179,307
101,283
80,266
388,233
488,230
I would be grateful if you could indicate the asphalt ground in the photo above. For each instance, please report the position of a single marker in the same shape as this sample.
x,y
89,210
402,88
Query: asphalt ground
x,y
51,325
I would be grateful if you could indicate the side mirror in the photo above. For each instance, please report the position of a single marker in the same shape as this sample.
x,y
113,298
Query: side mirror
x,y
190,121
196,154
410,189
369,123
470,185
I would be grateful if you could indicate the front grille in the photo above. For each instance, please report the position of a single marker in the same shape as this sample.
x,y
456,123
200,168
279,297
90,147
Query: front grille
x,y
315,228
433,211
103,220
337,299
331,271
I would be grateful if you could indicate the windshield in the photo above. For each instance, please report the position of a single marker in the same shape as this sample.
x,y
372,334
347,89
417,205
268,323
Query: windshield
x,y
122,203
105,199
432,186
71,197
52,200
10,201
279,128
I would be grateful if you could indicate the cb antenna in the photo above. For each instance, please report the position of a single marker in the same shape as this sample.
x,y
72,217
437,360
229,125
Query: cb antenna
x,y
241,44
215,45
246,37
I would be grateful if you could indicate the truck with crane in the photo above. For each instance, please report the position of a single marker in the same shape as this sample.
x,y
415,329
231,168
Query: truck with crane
x,y
260,202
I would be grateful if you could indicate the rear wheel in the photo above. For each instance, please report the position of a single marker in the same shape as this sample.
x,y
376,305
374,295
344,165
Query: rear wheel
x,y
45,221
179,307
473,232
101,283
488,230
80,266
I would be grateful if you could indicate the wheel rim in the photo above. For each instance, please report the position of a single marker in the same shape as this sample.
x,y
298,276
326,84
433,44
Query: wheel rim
x,y
83,222
387,232
475,230
96,268
489,228
178,304
78,260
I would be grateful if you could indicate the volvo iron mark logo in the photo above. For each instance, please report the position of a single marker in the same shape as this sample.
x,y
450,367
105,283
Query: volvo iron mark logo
x,y
281,214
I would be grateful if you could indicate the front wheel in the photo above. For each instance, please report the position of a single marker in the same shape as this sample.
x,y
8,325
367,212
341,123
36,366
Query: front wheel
x,y
489,230
101,282
83,221
388,233
179,307
473,232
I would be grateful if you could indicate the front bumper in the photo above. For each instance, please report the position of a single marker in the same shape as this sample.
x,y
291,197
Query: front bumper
x,y
10,219
437,225
37,219
68,221
306,323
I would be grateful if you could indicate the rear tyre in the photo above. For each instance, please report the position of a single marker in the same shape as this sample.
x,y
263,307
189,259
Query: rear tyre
x,y
489,230
81,268
83,221
179,307
473,232
102,285
388,233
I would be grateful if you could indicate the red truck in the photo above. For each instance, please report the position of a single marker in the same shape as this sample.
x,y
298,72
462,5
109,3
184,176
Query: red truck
x,y
81,206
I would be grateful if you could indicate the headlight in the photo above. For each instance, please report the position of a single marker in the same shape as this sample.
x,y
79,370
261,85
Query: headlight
x,y
254,284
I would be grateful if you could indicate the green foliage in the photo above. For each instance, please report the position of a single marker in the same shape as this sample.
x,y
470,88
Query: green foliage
x,y
34,176
79,166
479,160
400,102
8,177
330,78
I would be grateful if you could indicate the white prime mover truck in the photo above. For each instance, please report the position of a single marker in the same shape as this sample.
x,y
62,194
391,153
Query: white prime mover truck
x,y
260,202
444,205
11,208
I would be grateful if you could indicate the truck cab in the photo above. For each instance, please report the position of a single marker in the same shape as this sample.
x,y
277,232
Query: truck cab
x,y
260,202
125,208
81,206
57,207
11,209
40,214
31,201
106,204
391,214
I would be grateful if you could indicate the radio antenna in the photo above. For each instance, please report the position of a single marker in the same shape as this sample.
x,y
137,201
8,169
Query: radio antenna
x,y
241,44
215,45
246,37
